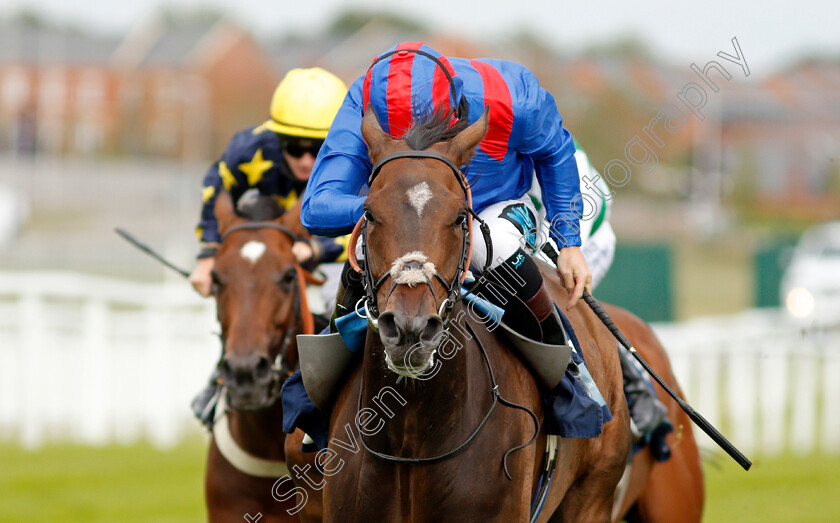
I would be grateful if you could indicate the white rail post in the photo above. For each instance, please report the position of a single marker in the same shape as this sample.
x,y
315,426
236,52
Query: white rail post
x,y
707,374
97,395
162,427
773,398
32,336
742,396
831,396
803,423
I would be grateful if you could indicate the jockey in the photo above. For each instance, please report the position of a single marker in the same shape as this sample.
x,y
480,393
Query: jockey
x,y
273,159
525,137
276,159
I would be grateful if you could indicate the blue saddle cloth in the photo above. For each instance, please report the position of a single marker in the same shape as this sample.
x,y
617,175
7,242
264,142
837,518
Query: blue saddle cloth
x,y
574,407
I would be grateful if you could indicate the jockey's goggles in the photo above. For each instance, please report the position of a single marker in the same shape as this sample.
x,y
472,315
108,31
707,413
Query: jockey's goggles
x,y
297,147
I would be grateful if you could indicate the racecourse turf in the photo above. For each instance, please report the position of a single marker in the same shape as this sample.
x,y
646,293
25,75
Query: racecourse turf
x,y
67,483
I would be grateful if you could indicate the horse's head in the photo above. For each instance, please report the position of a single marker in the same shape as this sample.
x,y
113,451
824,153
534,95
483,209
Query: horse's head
x,y
255,282
416,231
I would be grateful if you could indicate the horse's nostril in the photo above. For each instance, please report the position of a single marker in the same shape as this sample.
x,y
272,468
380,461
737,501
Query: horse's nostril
x,y
224,370
388,326
263,367
433,328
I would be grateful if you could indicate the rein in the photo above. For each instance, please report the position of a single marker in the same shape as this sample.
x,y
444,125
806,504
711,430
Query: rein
x,y
497,398
453,287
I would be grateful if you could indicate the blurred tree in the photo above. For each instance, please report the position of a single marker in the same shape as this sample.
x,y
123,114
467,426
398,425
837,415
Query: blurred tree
x,y
628,46
350,21
205,14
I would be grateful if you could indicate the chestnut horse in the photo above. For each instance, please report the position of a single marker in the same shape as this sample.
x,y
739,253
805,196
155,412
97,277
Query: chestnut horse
x,y
261,304
440,449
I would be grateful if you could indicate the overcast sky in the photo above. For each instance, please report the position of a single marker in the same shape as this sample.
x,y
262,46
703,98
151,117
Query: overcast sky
x,y
770,33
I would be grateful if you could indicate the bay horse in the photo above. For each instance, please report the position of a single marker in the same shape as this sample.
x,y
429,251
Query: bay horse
x,y
654,492
671,490
261,304
439,449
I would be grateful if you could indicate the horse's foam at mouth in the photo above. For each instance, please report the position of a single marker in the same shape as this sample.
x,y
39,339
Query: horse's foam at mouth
x,y
412,268
409,371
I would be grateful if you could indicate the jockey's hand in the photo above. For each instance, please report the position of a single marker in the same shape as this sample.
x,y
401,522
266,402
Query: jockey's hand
x,y
200,277
575,273
302,251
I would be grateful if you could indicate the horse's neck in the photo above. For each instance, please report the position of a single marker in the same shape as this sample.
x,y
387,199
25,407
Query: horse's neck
x,y
259,433
437,413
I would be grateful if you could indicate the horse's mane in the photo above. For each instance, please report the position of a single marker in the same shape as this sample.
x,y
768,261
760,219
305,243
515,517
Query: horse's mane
x,y
431,127
258,208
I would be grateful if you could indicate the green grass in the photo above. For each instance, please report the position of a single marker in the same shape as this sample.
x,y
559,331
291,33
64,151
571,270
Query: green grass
x,y
66,483
784,489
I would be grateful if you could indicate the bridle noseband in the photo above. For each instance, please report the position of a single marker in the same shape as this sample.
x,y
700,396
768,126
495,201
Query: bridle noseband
x,y
372,284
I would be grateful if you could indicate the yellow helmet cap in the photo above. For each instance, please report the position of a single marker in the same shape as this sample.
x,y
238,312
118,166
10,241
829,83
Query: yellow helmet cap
x,y
305,103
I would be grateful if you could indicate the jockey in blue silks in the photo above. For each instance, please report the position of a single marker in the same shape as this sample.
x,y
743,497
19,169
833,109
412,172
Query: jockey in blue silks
x,y
525,135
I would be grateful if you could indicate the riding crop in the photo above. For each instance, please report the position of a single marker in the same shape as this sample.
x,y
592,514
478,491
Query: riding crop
x,y
695,416
148,250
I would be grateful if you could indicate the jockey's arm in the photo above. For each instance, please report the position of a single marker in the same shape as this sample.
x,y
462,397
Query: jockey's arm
x,y
219,177
552,149
320,249
207,232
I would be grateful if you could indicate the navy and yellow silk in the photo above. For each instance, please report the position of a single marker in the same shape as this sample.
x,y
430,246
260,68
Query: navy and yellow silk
x,y
254,160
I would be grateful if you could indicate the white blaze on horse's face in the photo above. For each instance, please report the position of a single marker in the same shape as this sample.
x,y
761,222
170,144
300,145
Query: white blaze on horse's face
x,y
252,251
412,268
419,196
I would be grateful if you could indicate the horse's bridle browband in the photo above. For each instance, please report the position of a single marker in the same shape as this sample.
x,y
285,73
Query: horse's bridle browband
x,y
453,288
261,225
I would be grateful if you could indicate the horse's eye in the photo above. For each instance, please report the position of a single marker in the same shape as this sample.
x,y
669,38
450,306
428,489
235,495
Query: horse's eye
x,y
287,279
215,283
368,216
459,221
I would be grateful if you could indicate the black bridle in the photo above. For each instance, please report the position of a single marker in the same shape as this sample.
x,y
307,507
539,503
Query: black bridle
x,y
280,370
372,284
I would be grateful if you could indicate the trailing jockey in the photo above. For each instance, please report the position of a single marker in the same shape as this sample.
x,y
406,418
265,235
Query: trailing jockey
x,y
272,159
525,140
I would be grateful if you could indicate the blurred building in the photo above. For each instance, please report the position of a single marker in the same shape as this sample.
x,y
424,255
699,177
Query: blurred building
x,y
779,141
179,86
57,89
189,84
174,87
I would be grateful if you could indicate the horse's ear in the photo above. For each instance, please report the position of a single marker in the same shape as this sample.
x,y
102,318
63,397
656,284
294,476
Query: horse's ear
x,y
463,145
373,134
291,220
224,211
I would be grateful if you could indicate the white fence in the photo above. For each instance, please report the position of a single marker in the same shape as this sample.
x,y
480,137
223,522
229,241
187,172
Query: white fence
x,y
766,384
97,360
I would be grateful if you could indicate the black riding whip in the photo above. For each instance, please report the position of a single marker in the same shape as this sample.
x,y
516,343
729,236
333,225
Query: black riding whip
x,y
145,248
695,416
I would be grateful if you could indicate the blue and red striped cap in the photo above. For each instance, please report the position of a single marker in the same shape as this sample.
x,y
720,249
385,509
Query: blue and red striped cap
x,y
411,79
